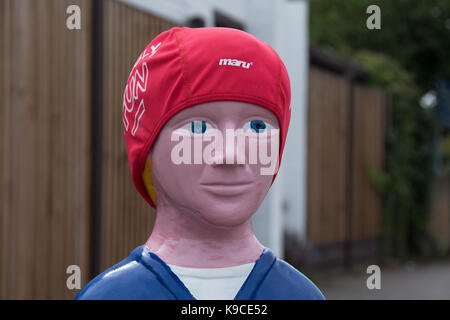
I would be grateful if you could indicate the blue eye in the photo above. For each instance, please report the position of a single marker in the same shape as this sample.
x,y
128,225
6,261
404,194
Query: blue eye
x,y
257,126
198,127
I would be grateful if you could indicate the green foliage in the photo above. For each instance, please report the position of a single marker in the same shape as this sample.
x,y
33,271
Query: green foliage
x,y
401,59
416,33
406,183
385,72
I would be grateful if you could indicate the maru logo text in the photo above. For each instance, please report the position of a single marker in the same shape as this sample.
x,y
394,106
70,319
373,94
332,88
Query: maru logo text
x,y
235,63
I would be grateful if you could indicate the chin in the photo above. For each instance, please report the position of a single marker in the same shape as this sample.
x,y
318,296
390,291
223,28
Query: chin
x,y
228,214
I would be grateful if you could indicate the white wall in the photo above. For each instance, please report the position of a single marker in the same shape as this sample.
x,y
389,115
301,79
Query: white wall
x,y
284,25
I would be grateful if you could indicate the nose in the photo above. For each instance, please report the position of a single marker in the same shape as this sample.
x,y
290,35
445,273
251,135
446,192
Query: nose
x,y
230,153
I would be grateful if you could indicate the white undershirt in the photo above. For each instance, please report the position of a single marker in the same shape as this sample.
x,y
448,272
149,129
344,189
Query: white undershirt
x,y
213,283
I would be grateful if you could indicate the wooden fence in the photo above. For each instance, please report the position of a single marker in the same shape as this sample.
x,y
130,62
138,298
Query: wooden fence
x,y
327,157
439,225
44,143
46,81
346,134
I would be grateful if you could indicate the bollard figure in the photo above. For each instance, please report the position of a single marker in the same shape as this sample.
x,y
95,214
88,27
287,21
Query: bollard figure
x,y
206,113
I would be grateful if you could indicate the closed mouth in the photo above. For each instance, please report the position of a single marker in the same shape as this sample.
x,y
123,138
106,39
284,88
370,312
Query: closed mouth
x,y
227,189
226,184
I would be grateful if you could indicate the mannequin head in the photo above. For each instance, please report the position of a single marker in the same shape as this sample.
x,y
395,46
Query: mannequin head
x,y
229,189
179,70
180,89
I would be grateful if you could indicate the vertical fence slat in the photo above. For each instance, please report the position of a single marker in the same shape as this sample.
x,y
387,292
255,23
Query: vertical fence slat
x,y
8,288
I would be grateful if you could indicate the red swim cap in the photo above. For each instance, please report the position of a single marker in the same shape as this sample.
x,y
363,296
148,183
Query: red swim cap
x,y
183,67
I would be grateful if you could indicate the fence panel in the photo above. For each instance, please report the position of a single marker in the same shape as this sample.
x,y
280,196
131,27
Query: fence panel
x,y
327,157
45,147
328,219
439,225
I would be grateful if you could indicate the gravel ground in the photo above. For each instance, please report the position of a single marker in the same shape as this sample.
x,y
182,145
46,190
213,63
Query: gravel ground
x,y
409,281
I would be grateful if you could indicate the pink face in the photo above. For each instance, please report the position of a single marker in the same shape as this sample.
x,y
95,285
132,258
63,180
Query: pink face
x,y
222,194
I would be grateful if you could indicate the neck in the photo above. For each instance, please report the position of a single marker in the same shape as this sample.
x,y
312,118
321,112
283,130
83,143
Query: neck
x,y
185,239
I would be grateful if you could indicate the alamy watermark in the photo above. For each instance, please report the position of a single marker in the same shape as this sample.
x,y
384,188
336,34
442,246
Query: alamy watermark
x,y
374,280
190,148
73,21
74,280
374,20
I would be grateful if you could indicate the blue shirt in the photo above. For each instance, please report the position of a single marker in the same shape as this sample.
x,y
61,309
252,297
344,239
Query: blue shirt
x,y
144,276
